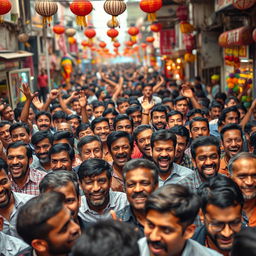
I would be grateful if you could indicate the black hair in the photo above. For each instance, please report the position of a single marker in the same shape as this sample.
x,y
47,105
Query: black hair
x,y
215,104
107,237
33,215
17,113
132,109
220,95
106,102
181,131
177,200
88,139
224,113
229,127
98,120
166,100
179,98
112,137
159,108
121,101
4,122
64,135
54,106
82,127
193,112
229,98
220,191
248,127
19,125
204,141
140,129
41,113
73,116
163,135
121,117
96,104
57,148
198,119
174,112
4,166
110,111
18,144
94,166
41,135
59,115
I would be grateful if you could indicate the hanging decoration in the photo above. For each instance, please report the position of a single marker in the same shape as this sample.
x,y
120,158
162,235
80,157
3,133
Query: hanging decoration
x,y
81,8
70,32
5,7
113,23
46,8
182,13
90,33
189,57
23,38
156,27
71,40
143,45
243,4
102,44
150,39
58,29
114,8
116,44
112,33
133,32
129,43
84,43
186,27
151,7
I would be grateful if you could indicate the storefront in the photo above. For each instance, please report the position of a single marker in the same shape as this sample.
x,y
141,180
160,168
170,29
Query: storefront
x,y
15,69
238,59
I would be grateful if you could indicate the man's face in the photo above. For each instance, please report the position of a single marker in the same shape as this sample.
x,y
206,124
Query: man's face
x,y
86,132
63,234
61,161
159,120
43,123
5,189
5,136
76,107
96,189
102,130
111,118
139,184
91,150
147,91
175,120
72,200
98,111
58,121
164,233
244,174
18,162
143,142
222,224
182,106
8,114
20,134
207,161
199,129
41,149
31,115
122,107
121,151
232,142
180,146
163,153
231,103
215,113
64,127
231,118
74,124
89,111
124,125
137,118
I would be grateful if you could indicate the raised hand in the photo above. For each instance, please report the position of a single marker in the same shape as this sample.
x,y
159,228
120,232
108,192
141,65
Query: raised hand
x,y
54,94
26,91
82,99
37,103
146,105
186,91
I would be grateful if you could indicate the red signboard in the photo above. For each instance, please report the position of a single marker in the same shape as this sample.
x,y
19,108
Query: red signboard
x,y
236,37
167,41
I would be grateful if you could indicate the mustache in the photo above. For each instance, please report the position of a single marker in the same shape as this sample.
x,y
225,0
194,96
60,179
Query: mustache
x,y
15,165
209,166
99,192
157,245
245,187
164,158
44,125
139,194
122,155
42,154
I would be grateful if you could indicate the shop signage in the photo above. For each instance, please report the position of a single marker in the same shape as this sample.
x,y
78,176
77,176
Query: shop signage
x,y
235,37
221,4
167,41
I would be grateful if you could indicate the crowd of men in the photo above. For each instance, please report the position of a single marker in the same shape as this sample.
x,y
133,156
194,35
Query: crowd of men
x,y
127,163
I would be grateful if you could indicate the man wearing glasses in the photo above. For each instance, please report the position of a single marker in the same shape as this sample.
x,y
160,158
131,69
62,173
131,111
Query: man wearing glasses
x,y
242,169
221,212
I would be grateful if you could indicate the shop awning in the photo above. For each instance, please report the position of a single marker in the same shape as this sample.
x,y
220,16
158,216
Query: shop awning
x,y
15,55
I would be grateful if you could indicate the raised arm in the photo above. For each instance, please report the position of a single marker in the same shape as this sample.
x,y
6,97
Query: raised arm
x,y
159,84
186,91
83,103
118,89
248,115
64,103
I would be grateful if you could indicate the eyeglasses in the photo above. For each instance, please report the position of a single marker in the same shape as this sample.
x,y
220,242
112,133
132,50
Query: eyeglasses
x,y
219,226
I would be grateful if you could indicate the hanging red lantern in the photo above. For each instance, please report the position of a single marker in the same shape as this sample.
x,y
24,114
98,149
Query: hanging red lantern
x,y
156,27
102,44
129,43
58,29
81,8
189,57
143,45
5,7
116,44
46,8
150,7
84,43
182,13
71,40
150,39
185,27
133,32
114,8
90,33
243,4
112,33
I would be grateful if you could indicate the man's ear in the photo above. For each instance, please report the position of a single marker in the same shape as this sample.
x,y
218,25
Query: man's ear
x,y
30,160
39,245
201,215
189,232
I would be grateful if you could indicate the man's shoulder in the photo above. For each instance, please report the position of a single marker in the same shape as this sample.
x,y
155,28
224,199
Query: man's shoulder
x,y
143,246
26,252
194,248
183,171
124,214
22,196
